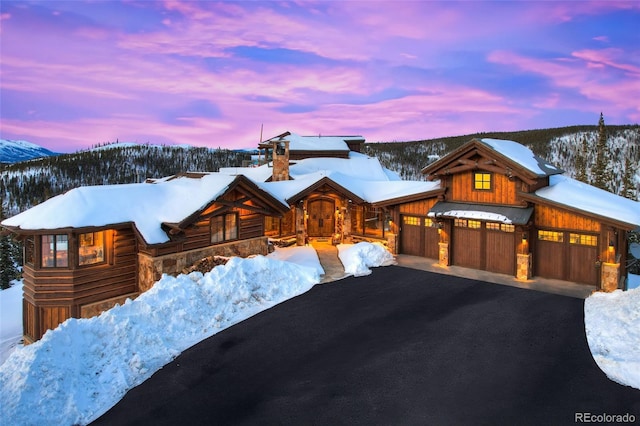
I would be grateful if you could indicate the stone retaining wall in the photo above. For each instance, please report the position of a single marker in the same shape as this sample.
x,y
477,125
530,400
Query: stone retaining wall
x,y
150,269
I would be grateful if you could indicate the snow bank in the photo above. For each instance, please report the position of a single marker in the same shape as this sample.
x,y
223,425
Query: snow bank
x,y
10,320
612,324
358,258
78,371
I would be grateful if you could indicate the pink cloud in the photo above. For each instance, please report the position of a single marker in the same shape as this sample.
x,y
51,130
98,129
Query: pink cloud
x,y
578,74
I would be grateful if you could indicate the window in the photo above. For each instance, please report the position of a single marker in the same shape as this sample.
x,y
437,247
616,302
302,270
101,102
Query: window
x,y
224,228
373,222
554,236
482,181
272,226
428,222
467,223
583,239
91,248
55,250
411,220
460,223
504,227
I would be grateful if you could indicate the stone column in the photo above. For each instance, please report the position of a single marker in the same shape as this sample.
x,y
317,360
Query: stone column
x,y
610,276
443,254
523,267
301,235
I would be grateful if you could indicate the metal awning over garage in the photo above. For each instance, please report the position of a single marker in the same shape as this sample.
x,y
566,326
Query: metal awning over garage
x,y
486,212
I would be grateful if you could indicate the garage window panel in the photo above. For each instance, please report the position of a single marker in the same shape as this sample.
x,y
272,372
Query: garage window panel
x,y
583,239
554,236
411,220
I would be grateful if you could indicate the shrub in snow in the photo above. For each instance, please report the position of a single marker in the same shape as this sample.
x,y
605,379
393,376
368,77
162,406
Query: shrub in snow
x,y
358,258
612,324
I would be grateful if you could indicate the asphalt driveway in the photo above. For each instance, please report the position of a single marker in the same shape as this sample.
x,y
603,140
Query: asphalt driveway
x,y
400,346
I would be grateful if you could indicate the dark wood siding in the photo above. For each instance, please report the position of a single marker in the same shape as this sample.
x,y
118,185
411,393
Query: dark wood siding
x,y
251,226
503,190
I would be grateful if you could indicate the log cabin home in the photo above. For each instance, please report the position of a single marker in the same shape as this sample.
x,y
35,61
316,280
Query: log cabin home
x,y
490,205
93,247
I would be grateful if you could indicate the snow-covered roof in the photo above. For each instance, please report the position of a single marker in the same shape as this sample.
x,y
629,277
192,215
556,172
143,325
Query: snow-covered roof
x,y
359,174
575,194
316,143
357,165
488,212
147,205
523,156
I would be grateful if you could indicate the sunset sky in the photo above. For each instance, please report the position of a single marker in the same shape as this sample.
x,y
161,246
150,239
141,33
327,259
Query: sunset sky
x,y
204,73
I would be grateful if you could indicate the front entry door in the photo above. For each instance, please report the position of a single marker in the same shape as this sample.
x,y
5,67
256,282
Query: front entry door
x,y
321,218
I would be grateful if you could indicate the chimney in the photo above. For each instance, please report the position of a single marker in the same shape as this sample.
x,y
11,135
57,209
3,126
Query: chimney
x,y
280,160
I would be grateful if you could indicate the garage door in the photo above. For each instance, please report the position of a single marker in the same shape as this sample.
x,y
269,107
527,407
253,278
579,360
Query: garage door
x,y
419,237
467,243
583,253
567,256
500,248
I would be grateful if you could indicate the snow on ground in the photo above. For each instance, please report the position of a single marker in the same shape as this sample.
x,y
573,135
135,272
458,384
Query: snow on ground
x,y
81,369
357,258
10,319
612,324
633,281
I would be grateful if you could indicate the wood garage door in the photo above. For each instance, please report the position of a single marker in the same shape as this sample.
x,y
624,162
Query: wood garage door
x,y
567,256
500,248
467,243
419,237
583,253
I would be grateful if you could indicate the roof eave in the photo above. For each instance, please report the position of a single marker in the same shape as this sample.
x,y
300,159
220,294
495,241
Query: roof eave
x,y
536,199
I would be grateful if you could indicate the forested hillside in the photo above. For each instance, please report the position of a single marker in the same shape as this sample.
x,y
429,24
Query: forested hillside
x,y
27,183
561,146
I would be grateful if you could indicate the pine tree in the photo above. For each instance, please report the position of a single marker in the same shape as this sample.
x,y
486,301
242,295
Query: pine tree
x,y
628,184
581,161
8,270
601,172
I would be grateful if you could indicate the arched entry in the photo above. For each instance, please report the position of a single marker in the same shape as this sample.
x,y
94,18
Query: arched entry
x,y
321,221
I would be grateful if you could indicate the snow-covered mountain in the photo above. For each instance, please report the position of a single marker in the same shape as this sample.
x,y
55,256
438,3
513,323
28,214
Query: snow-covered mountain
x,y
15,151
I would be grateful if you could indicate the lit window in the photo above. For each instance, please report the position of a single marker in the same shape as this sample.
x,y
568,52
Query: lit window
x,y
373,222
583,239
428,222
224,228
55,251
554,236
482,181
411,220
91,248
460,223
505,227
475,224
